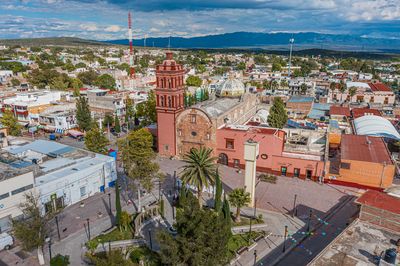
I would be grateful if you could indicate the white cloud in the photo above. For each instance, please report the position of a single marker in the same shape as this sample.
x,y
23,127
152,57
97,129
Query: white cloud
x,y
113,28
89,27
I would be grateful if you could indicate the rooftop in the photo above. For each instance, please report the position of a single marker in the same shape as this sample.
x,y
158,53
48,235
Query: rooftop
x,y
380,200
299,99
372,125
219,106
356,246
358,112
379,87
364,148
339,110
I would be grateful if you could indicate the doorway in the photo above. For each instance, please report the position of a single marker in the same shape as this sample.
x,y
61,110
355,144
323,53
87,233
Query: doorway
x,y
308,174
283,170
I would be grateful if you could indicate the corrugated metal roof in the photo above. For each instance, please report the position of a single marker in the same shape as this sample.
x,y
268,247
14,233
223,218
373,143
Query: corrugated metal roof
x,y
43,146
299,99
373,125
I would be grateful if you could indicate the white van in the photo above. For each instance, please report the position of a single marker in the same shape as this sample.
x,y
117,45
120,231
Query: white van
x,y
6,241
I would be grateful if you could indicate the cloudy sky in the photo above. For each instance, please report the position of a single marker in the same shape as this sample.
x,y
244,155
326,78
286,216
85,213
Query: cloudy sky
x,y
107,19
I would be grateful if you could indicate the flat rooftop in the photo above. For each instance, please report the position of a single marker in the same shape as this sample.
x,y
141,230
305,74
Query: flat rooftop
x,y
364,148
356,246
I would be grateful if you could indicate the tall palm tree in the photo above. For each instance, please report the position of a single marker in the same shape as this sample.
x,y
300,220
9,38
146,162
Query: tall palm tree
x,y
239,198
303,88
199,169
352,92
342,89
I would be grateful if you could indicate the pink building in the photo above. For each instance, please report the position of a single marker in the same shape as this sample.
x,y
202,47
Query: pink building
x,y
374,93
277,155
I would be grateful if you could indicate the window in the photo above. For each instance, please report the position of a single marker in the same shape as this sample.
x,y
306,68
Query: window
x,y
283,170
194,133
193,118
83,191
208,136
230,144
345,165
166,147
6,195
179,132
236,163
309,174
22,189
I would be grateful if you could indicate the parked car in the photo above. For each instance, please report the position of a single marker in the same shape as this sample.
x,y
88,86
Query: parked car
x,y
6,241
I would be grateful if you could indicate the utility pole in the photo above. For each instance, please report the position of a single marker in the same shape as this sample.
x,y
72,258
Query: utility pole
x,y
255,256
294,206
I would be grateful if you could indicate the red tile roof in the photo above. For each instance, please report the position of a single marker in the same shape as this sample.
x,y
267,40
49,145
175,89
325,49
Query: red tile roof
x,y
380,200
364,148
339,110
379,87
358,112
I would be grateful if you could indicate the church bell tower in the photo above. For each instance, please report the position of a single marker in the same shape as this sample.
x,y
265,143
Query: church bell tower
x,y
169,103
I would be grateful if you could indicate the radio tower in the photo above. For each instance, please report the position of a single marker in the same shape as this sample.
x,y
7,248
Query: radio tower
x,y
291,41
132,69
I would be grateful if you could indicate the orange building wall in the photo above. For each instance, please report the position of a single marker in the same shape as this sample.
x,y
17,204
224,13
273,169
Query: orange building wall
x,y
367,174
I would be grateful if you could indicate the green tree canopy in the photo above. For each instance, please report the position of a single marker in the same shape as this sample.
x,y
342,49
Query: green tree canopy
x,y
199,169
11,123
96,141
147,110
108,120
32,231
88,77
194,81
138,156
239,198
277,117
15,82
117,125
83,115
202,237
59,260
105,81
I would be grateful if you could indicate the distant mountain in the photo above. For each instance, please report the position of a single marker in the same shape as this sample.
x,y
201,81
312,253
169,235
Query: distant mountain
x,y
276,41
61,41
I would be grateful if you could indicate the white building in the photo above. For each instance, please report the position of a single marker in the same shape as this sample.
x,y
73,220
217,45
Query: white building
x,y
61,175
5,75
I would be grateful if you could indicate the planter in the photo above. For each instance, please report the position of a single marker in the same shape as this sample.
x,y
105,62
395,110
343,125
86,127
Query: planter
x,y
82,205
99,214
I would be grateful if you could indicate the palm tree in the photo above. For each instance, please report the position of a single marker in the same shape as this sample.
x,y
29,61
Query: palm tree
x,y
200,169
352,92
342,89
239,198
274,85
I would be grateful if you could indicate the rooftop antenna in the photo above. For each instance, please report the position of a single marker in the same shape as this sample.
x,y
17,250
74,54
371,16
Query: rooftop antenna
x,y
291,41
145,36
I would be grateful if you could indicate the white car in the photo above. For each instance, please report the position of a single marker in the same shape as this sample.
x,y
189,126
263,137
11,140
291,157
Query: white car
x,y
6,241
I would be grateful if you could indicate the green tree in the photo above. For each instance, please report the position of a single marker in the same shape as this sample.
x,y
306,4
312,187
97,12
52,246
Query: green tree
x,y
117,205
76,83
117,126
201,69
105,81
199,170
83,115
227,212
303,88
59,83
88,77
112,258
137,157
342,89
31,232
202,237
130,111
277,117
96,141
59,260
15,82
125,221
194,81
276,66
239,198
241,66
147,110
108,120
218,193
9,121
352,92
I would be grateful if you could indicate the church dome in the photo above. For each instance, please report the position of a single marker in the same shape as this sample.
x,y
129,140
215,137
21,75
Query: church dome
x,y
231,87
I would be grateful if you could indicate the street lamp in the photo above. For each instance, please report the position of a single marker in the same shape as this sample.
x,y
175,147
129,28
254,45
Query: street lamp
x,y
58,229
255,256
284,239
151,242
48,240
109,201
294,206
88,226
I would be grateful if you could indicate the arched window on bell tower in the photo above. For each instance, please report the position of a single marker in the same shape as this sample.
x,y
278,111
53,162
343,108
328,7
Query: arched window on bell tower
x,y
162,100
169,101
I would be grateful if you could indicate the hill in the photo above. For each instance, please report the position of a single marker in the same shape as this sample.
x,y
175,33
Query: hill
x,y
58,41
274,41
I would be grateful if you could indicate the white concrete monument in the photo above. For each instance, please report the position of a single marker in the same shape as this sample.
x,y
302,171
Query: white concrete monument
x,y
250,156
